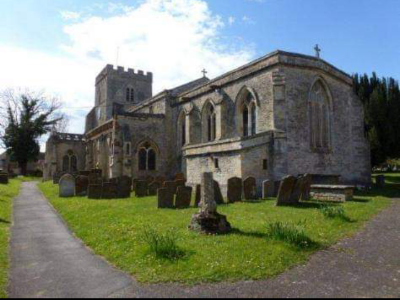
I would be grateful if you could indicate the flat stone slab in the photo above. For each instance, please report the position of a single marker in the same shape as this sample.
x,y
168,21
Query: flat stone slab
x,y
334,193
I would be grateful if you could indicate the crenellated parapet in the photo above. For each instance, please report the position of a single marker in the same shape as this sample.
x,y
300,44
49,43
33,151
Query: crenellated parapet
x,y
125,73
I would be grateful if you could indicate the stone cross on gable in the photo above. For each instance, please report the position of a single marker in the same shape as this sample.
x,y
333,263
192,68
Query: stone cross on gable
x,y
204,72
317,51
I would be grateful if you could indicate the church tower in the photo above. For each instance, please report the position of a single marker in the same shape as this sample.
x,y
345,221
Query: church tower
x,y
120,88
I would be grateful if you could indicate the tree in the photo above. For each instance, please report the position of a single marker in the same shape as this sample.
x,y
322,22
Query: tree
x,y
25,117
381,100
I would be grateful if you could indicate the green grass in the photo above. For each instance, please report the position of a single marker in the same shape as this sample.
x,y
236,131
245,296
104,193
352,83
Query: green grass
x,y
114,230
7,193
293,234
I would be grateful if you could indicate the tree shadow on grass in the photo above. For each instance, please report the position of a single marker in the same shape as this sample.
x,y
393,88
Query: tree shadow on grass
x,y
236,231
4,221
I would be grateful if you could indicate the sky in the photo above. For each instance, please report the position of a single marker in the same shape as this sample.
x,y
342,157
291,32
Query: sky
x,y
59,46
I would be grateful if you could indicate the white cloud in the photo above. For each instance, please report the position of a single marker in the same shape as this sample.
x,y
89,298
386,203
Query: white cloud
x,y
175,39
70,15
231,20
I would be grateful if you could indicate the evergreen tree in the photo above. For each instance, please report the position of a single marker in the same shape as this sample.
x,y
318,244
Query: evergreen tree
x,y
381,100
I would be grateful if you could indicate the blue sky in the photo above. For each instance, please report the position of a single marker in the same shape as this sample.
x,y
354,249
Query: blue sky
x,y
60,45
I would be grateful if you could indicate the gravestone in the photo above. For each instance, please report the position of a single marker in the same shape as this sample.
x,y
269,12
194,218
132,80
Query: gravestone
x,y
160,179
95,178
3,178
180,182
165,198
217,193
149,179
235,188
94,191
183,197
56,178
109,190
180,176
285,191
134,184
84,173
307,182
81,185
141,188
124,187
268,189
250,188
208,220
153,188
297,190
67,186
380,181
171,186
198,195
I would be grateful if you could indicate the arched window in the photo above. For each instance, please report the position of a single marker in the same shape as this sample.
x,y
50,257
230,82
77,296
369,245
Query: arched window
x,y
182,129
211,123
147,158
320,123
70,162
247,113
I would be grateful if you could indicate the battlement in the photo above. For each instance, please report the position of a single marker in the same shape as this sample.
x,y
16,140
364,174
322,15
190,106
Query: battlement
x,y
69,137
126,73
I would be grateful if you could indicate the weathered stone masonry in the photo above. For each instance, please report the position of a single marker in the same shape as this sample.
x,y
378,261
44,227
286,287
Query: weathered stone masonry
x,y
282,114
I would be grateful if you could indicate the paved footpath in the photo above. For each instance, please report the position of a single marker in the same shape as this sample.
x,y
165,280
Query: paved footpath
x,y
47,261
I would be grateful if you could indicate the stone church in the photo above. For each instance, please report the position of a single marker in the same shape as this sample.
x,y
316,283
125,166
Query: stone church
x,y
282,114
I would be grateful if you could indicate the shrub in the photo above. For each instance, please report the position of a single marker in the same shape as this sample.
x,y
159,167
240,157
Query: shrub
x,y
333,212
162,245
290,233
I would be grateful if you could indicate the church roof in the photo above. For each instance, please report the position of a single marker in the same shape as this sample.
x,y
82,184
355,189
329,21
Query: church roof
x,y
269,60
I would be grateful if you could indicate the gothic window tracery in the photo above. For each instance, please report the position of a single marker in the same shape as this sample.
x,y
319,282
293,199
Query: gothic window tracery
x,y
211,119
320,117
70,162
147,158
248,114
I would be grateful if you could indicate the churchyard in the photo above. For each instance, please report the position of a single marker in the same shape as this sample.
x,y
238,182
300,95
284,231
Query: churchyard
x,y
264,239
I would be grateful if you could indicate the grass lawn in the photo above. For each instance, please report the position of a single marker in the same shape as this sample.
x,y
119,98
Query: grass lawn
x,y
113,229
7,193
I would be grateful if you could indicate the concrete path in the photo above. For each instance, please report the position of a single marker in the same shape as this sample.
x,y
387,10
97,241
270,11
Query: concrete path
x,y
47,261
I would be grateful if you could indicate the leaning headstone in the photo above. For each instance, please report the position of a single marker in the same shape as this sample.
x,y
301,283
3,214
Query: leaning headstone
x,y
124,187
235,187
165,198
277,185
171,186
141,188
3,178
268,189
208,220
217,193
153,188
81,185
250,188
94,191
109,190
67,186
380,181
307,182
297,190
198,196
285,191
183,197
